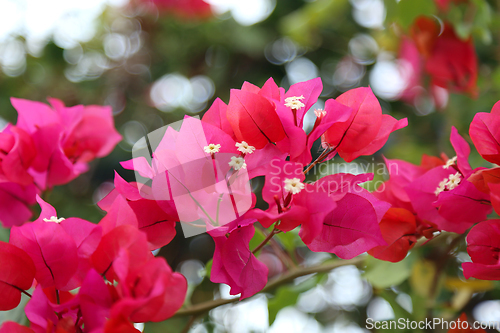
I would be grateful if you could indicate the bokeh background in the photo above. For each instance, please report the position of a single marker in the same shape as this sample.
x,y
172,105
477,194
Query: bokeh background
x,y
155,62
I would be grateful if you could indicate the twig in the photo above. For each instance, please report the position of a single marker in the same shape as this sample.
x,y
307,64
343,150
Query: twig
x,y
292,274
264,242
320,159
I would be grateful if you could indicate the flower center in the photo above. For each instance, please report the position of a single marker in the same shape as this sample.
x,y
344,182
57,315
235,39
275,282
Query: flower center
x,y
54,219
244,147
449,183
450,162
293,185
294,102
212,148
320,113
237,163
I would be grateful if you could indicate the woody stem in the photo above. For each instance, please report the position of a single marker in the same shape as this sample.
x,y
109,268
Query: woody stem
x,y
320,159
289,276
268,238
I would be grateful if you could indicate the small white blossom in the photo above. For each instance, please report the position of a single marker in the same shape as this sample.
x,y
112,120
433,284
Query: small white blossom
x,y
453,181
212,148
441,187
450,162
54,219
293,185
244,147
237,163
320,113
294,102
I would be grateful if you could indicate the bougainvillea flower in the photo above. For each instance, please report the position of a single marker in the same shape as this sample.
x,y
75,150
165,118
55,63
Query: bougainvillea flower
x,y
401,174
216,115
122,240
290,107
485,134
17,152
48,314
459,203
95,301
333,113
253,119
411,68
52,250
204,173
151,292
76,234
13,327
126,205
291,202
345,231
367,129
495,196
450,61
185,9
17,190
66,138
235,264
482,178
399,230
16,200
119,324
483,246
258,160
17,273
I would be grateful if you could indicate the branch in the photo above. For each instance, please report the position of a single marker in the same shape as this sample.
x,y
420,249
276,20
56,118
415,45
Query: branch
x,y
264,242
292,274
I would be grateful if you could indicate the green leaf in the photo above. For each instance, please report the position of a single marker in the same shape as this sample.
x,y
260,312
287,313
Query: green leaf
x,y
4,234
399,311
290,240
384,274
285,296
302,24
208,268
409,10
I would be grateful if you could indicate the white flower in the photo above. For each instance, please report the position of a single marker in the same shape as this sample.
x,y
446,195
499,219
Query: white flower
x,y
54,219
453,181
450,162
294,102
237,163
293,185
244,147
212,148
320,113
441,187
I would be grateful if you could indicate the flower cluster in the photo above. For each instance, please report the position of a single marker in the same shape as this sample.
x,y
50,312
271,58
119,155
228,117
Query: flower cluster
x,y
49,145
437,51
202,171
103,277
444,194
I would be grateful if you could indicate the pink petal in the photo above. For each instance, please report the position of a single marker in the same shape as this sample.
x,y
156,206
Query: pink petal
x,y
349,231
52,250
